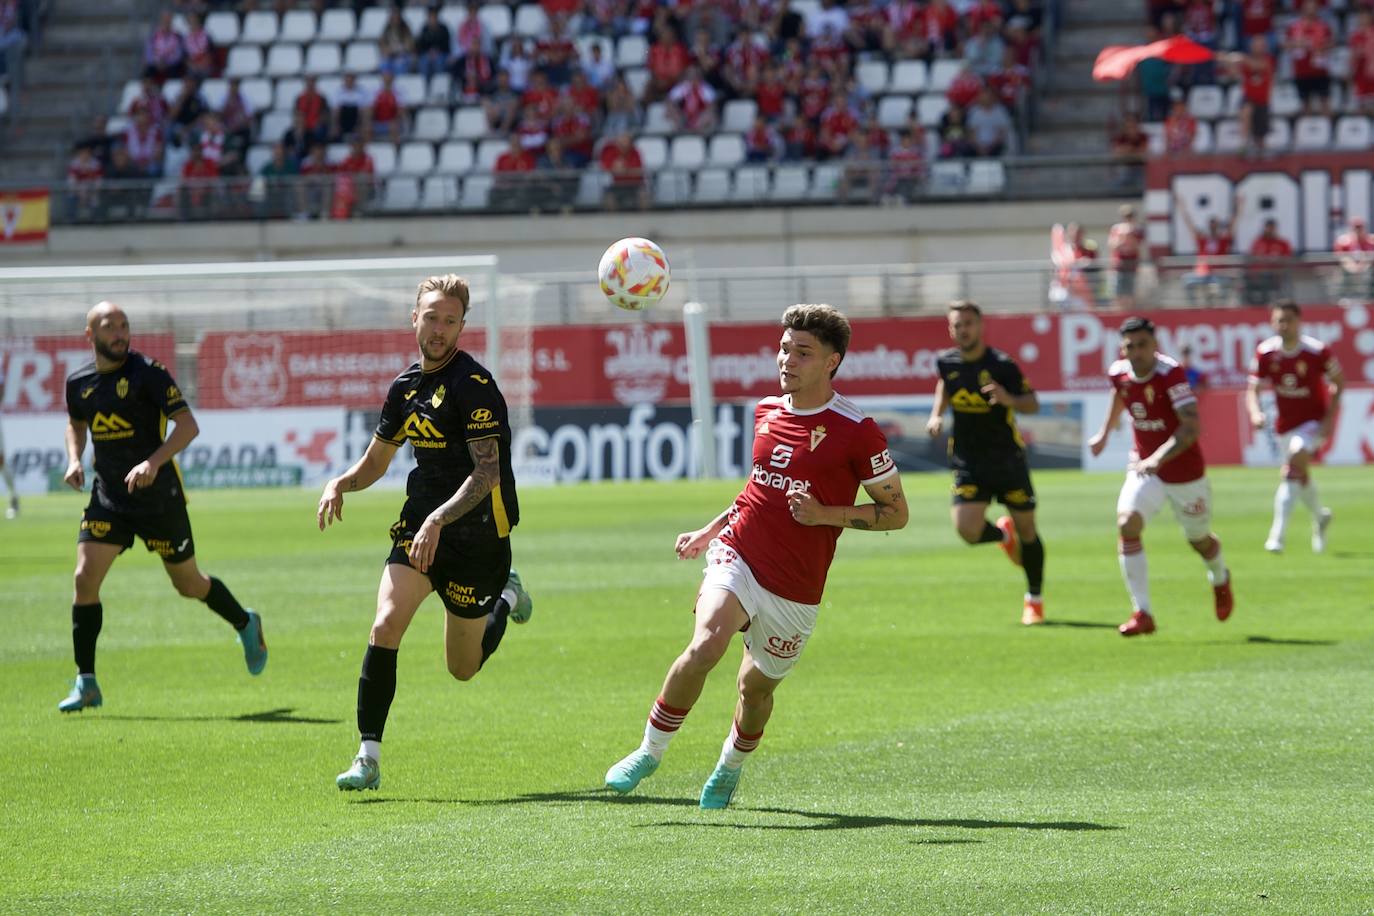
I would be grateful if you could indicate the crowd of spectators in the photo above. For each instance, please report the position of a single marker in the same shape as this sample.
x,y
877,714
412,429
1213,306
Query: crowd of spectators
x,y
562,104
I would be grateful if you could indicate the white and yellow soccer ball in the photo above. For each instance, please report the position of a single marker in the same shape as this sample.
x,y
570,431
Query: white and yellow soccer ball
x,y
634,273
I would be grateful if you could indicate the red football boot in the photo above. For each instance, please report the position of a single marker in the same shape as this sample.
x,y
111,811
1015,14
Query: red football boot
x,y
1010,542
1140,624
1225,601
1033,611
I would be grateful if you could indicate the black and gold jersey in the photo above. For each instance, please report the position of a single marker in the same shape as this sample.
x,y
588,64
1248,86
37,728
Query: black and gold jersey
x,y
439,411
126,410
982,431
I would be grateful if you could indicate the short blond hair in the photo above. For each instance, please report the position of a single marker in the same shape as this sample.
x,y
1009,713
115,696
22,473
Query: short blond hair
x,y
451,285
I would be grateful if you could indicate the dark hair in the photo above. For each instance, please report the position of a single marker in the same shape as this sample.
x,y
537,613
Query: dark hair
x,y
1131,325
1288,305
966,305
825,321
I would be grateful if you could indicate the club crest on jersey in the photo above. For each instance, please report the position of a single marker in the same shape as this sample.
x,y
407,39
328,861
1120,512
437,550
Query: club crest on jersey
x,y
122,388
817,436
984,377
1302,368
1149,395
438,397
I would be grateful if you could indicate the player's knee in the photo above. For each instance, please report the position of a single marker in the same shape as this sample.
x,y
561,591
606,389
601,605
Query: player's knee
x,y
703,654
385,633
463,669
85,584
1129,525
753,694
970,533
189,587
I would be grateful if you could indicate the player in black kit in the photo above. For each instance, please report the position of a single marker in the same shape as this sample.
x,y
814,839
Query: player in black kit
x,y
123,400
986,389
453,536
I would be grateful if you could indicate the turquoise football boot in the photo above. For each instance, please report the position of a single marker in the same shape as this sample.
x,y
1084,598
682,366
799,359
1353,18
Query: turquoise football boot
x,y
628,773
720,787
254,646
365,773
523,608
85,695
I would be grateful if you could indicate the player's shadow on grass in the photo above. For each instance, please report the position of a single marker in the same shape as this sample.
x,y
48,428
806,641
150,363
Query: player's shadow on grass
x,y
824,820
1078,624
1271,641
274,716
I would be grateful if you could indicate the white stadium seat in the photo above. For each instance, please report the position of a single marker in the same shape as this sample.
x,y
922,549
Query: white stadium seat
x,y
687,152
1353,133
894,110
298,26
286,92
496,19
1312,133
487,153
362,57
402,193
323,58
455,158
1229,137
825,180
942,73
671,187
414,17
243,61
930,108
908,76
637,79
791,182
171,90
410,89
430,124
132,90
440,192
417,158
738,115
258,92
1206,102
591,187
470,122
1203,140
214,92
259,28
986,176
872,76
726,150
631,51
1280,134
947,177
223,28
383,158
751,183
530,20
712,187
653,152
476,190
372,23
257,157
439,89
1285,102
285,60
337,26
452,17
274,124
656,119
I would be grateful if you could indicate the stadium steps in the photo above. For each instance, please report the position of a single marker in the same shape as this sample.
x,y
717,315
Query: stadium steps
x,y
89,49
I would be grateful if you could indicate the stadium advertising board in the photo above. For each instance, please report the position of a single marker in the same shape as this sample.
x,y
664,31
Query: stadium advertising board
x,y
1309,194
647,363
35,369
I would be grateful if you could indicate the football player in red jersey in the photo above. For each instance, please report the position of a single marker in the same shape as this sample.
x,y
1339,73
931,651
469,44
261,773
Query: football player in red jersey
x,y
1307,390
768,553
1166,465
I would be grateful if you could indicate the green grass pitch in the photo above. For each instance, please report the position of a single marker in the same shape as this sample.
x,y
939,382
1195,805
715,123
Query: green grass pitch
x,y
928,754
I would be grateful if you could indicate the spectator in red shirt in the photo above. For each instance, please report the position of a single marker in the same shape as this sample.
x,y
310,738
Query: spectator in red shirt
x,y
906,166
746,62
315,110
555,54
84,173
532,133
515,160
1215,243
1270,256
164,56
692,103
316,183
621,161
1129,147
1257,20
1308,41
964,88
1355,248
150,100
838,127
799,140
1361,42
1255,71
1124,242
668,60
540,98
585,96
143,140
770,97
705,57
201,59
237,116
473,72
572,127
1010,81
762,143
386,115
940,22
904,35
354,180
862,170
1180,129
197,184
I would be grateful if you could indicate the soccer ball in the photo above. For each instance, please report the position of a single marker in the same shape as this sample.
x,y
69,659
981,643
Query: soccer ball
x,y
634,273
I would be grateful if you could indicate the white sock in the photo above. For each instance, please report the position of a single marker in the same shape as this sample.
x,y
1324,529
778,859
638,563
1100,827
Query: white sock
x,y
1136,572
737,748
508,596
371,749
1307,492
664,721
1283,507
1216,566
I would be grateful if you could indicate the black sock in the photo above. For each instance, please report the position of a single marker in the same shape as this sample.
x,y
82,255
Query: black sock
x,y
991,534
223,603
496,628
376,690
86,620
1033,559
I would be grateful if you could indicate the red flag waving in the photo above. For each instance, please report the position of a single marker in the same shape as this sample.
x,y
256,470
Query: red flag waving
x,y
1116,62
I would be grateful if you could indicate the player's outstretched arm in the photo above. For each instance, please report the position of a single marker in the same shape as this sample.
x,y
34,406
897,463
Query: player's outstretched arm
x,y
366,471
1335,381
1026,402
76,444
486,474
690,544
936,424
1252,403
184,431
887,512
1099,441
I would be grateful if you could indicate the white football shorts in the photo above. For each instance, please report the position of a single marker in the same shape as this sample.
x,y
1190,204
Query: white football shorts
x,y
778,628
1305,438
1191,501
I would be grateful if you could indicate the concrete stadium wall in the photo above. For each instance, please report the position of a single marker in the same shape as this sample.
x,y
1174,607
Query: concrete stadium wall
x,y
762,237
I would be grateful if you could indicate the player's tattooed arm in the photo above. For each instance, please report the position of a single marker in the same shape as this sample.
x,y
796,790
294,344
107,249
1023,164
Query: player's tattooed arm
x,y
887,512
486,474
1189,428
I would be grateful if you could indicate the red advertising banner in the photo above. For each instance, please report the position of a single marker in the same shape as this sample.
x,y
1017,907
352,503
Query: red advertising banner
x,y
647,363
35,369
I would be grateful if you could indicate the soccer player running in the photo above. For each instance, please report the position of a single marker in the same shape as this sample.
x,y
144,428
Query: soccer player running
x,y
768,553
12,510
453,536
986,389
1166,464
1307,391
123,401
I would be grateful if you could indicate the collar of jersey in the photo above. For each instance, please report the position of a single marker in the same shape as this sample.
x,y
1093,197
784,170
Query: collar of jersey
x,y
1147,376
451,357
787,400
124,363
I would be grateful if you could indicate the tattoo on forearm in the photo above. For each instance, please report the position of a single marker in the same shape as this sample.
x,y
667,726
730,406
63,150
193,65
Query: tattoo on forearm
x,y
486,474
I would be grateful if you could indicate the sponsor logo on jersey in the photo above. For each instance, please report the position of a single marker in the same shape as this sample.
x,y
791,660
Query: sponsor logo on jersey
x,y
817,437
96,528
107,427
969,402
782,456
438,397
422,433
86,392
881,461
766,478
161,547
1289,387
480,419
410,394
464,595
785,646
479,379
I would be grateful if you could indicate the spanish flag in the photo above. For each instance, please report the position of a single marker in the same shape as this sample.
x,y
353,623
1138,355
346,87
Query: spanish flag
x,y
23,216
